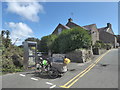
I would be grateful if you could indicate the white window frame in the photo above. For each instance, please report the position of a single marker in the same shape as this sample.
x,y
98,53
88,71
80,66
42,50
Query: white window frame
x,y
59,30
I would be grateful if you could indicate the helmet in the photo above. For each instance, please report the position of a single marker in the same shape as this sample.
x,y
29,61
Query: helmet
x,y
44,62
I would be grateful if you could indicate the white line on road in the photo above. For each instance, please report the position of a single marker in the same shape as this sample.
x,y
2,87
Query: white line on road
x,y
53,86
22,75
34,79
80,64
49,83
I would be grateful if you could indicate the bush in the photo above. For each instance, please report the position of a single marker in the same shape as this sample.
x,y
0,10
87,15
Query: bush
x,y
18,70
8,63
8,69
99,44
108,46
8,50
71,39
46,42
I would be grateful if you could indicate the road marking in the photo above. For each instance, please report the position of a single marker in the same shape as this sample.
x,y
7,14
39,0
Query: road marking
x,y
80,77
77,75
80,64
34,79
81,74
22,75
53,86
49,83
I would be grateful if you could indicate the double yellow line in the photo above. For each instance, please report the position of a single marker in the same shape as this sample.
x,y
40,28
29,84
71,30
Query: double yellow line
x,y
81,74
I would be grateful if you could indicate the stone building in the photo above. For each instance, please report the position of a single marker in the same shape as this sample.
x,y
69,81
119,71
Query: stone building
x,y
59,29
105,34
94,32
118,39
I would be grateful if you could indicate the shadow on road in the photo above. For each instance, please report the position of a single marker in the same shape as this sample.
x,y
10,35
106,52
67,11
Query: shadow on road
x,y
40,75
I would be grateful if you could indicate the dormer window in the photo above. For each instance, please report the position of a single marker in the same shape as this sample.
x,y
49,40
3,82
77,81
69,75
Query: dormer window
x,y
59,30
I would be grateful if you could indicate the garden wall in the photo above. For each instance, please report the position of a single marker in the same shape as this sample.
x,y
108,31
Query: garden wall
x,y
80,56
97,51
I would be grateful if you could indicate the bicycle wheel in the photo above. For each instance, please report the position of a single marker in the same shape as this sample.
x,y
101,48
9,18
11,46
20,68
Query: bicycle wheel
x,y
53,73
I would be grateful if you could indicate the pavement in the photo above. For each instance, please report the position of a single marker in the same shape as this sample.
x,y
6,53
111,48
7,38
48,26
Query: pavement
x,y
99,73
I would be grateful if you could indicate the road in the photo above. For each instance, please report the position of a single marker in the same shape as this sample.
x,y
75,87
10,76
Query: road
x,y
99,73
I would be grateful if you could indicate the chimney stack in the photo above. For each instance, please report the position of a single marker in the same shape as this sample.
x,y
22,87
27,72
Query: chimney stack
x,y
70,20
109,25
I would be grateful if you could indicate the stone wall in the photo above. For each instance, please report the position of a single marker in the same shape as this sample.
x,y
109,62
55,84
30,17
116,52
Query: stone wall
x,y
79,56
97,51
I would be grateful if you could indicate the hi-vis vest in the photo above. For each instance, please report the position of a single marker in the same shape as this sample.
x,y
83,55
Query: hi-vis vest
x,y
66,60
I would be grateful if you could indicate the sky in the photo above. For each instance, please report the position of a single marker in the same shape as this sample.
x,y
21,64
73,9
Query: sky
x,y
38,19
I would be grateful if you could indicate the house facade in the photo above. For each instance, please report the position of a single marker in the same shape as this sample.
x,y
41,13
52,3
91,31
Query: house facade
x,y
94,32
118,39
105,34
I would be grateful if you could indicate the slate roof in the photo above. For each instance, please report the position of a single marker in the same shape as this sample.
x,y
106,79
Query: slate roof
x,y
102,29
65,26
105,29
90,27
72,24
59,25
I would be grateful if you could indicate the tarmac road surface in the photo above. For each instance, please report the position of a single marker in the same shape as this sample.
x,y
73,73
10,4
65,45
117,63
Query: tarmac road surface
x,y
99,73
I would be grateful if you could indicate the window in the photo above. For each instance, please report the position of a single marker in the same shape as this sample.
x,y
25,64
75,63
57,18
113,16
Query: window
x,y
59,30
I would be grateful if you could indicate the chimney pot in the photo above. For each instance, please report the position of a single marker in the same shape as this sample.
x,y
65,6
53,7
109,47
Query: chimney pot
x,y
109,25
70,20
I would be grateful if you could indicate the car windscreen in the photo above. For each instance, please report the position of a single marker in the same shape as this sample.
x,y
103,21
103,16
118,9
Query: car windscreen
x,y
57,59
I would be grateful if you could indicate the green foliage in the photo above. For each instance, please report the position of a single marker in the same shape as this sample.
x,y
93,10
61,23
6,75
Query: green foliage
x,y
18,70
46,43
32,39
7,51
108,46
11,70
6,41
99,44
9,62
71,39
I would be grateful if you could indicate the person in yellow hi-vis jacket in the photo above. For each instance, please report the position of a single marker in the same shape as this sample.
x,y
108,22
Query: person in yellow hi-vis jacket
x,y
66,60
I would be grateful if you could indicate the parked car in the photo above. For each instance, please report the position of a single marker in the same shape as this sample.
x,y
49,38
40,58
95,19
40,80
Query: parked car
x,y
53,66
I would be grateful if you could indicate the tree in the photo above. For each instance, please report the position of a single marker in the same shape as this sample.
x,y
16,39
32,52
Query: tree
x,y
32,39
72,39
8,53
2,33
46,43
7,33
6,41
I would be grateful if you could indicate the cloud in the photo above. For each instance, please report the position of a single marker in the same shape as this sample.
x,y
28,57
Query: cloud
x,y
27,10
19,30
